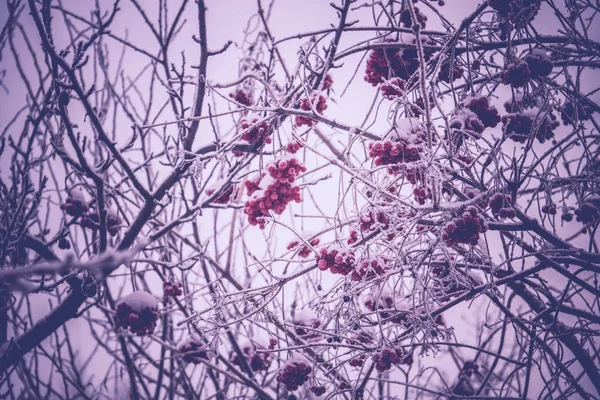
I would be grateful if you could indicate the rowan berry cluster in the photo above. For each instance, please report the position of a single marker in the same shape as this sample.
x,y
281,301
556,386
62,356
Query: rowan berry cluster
x,y
257,361
172,289
193,352
589,211
401,148
138,312
242,97
516,74
75,204
294,373
519,12
393,88
549,208
480,105
386,357
464,229
406,18
293,146
539,63
225,196
501,206
387,63
273,192
368,269
373,220
570,112
327,82
305,323
255,132
520,126
318,390
318,101
64,244
450,71
305,251
337,260
91,220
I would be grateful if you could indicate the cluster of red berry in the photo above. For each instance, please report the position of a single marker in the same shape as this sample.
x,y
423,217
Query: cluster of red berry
x,y
569,112
318,101
393,88
318,390
293,146
91,220
450,71
549,208
589,211
519,12
368,269
464,229
255,133
241,97
75,204
225,196
403,150
257,361
518,73
373,220
172,289
501,206
337,260
327,82
387,63
278,190
480,105
520,126
305,251
386,357
305,324
294,373
406,18
139,312
193,352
